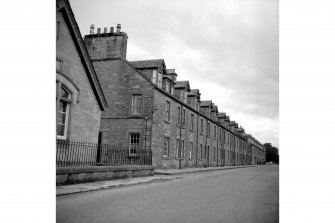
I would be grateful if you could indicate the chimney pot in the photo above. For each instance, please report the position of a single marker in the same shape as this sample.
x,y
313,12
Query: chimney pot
x,y
111,30
105,30
92,29
118,28
99,31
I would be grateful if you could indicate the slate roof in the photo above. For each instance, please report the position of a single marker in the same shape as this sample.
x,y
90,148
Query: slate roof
x,y
170,78
205,103
246,135
182,84
221,115
194,92
232,123
215,108
148,63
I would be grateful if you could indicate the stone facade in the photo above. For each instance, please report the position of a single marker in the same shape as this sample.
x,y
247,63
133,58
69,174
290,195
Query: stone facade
x,y
256,151
171,113
119,85
148,108
75,74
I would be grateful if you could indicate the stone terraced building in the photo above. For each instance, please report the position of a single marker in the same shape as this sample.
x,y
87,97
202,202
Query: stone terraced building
x,y
148,108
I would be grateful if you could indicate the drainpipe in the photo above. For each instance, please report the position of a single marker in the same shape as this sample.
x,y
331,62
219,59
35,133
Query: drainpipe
x,y
235,153
196,154
206,145
181,122
224,151
217,148
146,129
224,154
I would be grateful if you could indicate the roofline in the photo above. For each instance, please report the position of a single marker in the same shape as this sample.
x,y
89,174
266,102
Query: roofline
x,y
186,82
178,100
82,51
164,67
170,96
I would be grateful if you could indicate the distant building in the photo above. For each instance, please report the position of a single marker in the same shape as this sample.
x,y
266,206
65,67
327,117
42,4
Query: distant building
x,y
79,97
150,109
255,152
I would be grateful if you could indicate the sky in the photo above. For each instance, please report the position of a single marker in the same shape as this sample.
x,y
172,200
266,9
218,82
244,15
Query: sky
x,y
228,49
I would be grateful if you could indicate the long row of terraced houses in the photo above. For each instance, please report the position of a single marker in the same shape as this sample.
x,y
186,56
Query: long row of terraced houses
x,y
147,108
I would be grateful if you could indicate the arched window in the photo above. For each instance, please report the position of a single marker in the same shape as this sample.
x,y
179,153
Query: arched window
x,y
64,100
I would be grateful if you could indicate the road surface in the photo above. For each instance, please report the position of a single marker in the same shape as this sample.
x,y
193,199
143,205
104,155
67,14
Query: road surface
x,y
237,195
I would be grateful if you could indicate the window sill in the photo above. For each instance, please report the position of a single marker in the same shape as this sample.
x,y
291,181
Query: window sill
x,y
165,157
168,122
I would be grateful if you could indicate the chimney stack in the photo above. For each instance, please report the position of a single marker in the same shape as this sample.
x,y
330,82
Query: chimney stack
x,y
107,44
118,28
92,29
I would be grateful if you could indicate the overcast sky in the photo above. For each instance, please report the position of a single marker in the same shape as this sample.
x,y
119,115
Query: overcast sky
x,y
228,49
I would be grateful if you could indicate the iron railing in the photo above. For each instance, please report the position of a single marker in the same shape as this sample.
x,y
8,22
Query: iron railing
x,y
70,153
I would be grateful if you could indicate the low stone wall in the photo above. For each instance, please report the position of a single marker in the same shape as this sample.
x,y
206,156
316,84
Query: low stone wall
x,y
72,175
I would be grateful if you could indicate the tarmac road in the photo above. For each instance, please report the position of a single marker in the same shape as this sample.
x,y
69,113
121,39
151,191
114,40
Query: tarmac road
x,y
237,195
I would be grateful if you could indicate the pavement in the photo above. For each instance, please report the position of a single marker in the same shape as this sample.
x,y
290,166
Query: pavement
x,y
196,170
160,175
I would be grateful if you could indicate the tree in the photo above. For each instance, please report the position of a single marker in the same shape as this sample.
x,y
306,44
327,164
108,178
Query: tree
x,y
271,153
